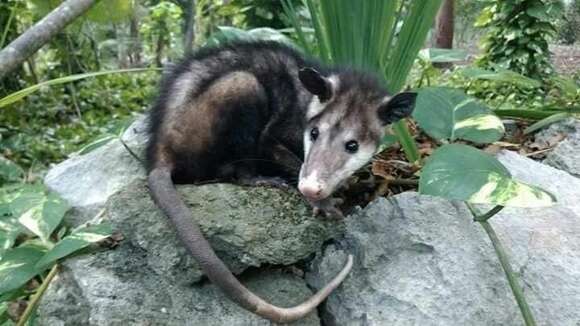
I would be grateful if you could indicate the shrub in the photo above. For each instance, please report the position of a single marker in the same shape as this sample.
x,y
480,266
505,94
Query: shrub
x,y
518,35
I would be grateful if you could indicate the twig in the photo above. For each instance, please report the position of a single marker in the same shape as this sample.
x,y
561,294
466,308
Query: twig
x,y
540,151
403,182
37,296
131,151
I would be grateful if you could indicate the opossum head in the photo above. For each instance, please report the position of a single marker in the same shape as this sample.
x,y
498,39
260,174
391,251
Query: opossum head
x,y
345,124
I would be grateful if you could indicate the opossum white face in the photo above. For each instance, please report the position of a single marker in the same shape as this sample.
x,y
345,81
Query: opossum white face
x,y
345,123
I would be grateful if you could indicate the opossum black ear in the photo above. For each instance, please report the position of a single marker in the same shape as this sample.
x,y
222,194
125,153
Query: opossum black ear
x,y
397,107
315,83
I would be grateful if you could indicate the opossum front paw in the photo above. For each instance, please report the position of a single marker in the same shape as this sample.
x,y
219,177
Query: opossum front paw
x,y
266,182
328,207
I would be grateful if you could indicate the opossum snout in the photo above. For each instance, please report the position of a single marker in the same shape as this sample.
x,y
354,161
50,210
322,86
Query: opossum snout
x,y
312,188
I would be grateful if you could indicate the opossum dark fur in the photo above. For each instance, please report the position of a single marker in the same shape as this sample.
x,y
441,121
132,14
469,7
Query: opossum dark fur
x,y
247,111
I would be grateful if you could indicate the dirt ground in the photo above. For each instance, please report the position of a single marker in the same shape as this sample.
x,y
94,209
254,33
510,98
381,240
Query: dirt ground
x,y
566,58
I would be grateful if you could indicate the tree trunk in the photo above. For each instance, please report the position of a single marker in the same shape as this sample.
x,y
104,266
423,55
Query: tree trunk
x,y
35,37
444,30
135,42
189,28
159,51
444,33
122,45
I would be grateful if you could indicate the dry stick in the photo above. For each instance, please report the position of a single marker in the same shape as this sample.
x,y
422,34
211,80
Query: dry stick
x,y
36,36
36,297
403,182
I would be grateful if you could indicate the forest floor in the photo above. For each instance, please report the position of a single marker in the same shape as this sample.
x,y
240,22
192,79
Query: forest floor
x,y
566,58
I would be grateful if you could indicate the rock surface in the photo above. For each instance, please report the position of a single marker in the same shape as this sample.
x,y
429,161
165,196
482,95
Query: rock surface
x,y
88,293
566,155
87,181
556,132
149,279
422,261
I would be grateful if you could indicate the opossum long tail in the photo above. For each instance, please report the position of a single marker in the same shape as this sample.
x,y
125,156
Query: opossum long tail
x,y
166,196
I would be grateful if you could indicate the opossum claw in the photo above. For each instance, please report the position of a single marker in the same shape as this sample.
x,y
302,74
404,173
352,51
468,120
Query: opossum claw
x,y
328,207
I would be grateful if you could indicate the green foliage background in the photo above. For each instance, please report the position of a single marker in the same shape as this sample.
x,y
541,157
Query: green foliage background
x,y
518,32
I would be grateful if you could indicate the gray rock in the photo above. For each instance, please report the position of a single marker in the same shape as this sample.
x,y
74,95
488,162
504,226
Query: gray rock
x,y
86,181
422,261
247,226
150,280
566,155
86,292
550,136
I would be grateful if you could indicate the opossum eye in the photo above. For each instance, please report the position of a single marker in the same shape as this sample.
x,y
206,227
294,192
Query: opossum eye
x,y
351,146
314,134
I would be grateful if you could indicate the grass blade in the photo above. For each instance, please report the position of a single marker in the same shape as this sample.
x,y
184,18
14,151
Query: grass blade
x,y
17,96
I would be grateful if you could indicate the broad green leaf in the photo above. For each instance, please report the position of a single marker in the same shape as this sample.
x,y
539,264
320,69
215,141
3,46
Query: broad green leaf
x,y
446,113
39,212
443,55
546,12
9,171
17,267
9,230
77,240
546,122
461,172
503,75
17,96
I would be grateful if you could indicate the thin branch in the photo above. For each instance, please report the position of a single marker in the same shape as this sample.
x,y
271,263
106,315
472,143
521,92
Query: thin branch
x,y
35,37
37,296
403,182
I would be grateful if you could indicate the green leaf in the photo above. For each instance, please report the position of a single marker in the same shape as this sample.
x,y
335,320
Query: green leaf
x,y
546,122
523,113
38,212
77,240
447,113
100,141
443,55
227,34
17,96
9,171
461,172
9,231
566,84
503,75
111,11
17,267
546,12
3,312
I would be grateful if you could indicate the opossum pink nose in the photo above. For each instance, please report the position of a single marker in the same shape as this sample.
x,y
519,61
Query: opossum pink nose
x,y
311,190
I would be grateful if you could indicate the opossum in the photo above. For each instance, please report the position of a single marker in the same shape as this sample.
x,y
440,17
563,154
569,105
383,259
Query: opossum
x,y
257,113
